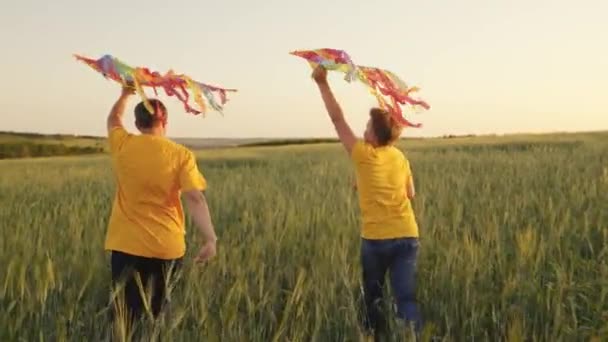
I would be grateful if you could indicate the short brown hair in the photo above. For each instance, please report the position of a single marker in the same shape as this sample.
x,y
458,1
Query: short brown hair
x,y
144,119
386,128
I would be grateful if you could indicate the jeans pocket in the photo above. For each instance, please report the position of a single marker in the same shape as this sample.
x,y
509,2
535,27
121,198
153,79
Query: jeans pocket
x,y
410,245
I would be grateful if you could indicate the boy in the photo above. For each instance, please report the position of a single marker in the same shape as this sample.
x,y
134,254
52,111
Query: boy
x,y
389,237
146,229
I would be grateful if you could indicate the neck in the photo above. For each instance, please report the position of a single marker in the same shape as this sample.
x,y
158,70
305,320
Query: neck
x,y
153,131
372,142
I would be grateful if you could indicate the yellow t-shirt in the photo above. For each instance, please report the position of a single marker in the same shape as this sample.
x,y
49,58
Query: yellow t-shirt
x,y
382,176
147,216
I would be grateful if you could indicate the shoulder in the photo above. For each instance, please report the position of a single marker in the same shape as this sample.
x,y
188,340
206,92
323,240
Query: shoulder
x,y
173,150
118,131
182,151
117,136
361,150
402,157
397,152
402,154
173,145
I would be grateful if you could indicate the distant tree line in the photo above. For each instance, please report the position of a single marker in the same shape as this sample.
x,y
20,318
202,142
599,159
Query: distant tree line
x,y
48,136
303,141
290,142
28,149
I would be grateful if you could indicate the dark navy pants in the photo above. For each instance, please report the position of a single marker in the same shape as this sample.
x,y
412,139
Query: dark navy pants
x,y
156,273
397,257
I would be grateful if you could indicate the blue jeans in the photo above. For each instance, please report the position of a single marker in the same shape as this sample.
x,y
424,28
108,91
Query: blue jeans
x,y
398,256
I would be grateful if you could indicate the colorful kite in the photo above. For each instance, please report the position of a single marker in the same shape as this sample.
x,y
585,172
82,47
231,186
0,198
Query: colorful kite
x,y
330,59
381,83
173,84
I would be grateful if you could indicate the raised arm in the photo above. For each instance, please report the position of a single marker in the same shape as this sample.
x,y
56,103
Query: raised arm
x,y
118,109
345,133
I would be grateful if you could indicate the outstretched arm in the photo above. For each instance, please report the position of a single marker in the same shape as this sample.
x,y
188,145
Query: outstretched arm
x,y
118,109
345,133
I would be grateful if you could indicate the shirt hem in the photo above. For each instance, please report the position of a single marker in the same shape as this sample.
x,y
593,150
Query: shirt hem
x,y
390,236
145,255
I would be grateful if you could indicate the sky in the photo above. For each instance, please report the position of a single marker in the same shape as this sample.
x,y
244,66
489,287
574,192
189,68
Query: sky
x,y
485,67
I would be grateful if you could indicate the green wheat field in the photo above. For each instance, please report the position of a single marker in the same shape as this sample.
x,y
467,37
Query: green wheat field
x,y
514,244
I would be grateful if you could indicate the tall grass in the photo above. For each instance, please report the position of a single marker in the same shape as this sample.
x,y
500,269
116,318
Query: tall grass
x,y
514,245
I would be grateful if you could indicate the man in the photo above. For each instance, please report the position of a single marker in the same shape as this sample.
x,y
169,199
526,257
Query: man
x,y
385,188
146,229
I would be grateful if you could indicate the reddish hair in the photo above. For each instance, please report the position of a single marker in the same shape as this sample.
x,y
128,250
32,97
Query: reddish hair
x,y
386,129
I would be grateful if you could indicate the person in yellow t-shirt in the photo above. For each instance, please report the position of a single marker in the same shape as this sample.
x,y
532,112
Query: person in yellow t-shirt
x,y
146,230
385,186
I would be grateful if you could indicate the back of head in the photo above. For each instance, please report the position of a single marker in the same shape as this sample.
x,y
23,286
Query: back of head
x,y
144,120
386,129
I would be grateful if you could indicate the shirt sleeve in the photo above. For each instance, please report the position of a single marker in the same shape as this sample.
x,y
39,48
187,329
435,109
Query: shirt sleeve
x,y
360,152
190,177
407,168
116,138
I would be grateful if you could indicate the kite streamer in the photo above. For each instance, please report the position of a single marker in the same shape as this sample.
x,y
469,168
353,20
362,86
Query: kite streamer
x,y
173,84
381,83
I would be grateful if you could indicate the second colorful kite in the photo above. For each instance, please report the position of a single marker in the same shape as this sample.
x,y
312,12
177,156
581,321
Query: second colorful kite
x,y
380,82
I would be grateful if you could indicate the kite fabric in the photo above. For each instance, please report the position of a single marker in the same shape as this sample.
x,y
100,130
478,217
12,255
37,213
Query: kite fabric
x,y
173,84
330,59
381,83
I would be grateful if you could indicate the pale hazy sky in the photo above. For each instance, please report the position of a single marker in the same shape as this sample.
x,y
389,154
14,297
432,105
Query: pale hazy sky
x,y
484,66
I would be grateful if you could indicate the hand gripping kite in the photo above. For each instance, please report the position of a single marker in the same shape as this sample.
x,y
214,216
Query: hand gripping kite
x,y
379,82
174,84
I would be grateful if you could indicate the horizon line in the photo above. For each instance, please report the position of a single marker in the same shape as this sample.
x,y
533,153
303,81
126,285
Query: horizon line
x,y
89,136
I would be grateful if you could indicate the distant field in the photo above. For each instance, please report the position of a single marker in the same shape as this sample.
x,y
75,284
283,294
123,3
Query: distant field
x,y
514,234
